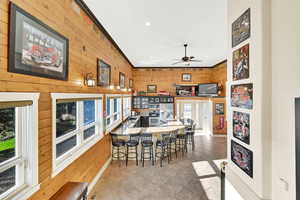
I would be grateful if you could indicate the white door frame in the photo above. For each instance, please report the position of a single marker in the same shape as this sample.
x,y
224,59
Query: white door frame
x,y
210,113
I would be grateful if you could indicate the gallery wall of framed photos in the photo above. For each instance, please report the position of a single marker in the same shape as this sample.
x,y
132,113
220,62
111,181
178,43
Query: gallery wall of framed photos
x,y
247,100
70,45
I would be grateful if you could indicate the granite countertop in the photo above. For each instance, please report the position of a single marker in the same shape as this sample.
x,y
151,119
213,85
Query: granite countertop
x,y
128,124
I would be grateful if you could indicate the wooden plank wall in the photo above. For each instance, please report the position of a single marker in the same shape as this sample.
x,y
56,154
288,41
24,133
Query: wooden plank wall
x,y
166,78
219,75
65,17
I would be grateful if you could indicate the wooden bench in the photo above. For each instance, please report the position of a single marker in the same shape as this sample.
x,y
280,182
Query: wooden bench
x,y
72,191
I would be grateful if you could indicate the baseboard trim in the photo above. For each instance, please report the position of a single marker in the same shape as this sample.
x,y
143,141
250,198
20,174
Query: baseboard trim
x,y
99,174
241,187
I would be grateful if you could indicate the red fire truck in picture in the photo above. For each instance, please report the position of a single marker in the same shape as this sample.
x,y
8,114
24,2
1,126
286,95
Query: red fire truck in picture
x,y
41,50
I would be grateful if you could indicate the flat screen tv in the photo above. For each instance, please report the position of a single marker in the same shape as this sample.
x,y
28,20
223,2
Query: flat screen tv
x,y
208,89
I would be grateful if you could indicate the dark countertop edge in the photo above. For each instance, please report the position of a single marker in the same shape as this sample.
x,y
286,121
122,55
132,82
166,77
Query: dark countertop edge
x,y
121,124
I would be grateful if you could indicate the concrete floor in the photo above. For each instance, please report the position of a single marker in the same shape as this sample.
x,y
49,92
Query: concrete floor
x,y
193,177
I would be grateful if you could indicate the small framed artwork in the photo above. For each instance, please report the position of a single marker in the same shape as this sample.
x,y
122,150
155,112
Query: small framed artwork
x,y
242,96
241,28
186,77
35,48
103,73
242,157
130,83
122,80
240,61
241,126
151,88
219,108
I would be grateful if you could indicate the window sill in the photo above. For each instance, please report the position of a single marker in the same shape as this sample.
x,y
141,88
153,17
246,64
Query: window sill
x,y
74,154
23,193
113,125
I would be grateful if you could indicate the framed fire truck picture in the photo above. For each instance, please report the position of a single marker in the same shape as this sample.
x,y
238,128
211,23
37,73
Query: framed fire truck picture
x,y
35,48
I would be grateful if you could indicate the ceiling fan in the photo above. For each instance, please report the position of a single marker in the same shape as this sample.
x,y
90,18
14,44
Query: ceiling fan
x,y
186,59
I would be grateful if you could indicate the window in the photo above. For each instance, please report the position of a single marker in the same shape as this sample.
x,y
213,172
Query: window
x,y
187,111
126,106
18,154
78,126
114,111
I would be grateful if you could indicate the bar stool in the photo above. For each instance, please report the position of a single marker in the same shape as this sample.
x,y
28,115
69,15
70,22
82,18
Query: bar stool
x,y
118,147
163,145
191,136
181,143
146,148
172,143
132,146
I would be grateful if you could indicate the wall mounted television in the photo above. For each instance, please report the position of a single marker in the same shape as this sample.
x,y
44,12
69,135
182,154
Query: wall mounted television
x,y
208,89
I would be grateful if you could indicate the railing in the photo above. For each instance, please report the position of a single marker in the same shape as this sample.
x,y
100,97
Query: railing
x,y
223,176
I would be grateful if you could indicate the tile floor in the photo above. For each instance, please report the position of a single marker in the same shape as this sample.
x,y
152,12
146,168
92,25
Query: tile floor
x,y
193,177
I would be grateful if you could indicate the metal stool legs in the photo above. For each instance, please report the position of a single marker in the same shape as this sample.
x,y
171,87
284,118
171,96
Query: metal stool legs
x,y
132,150
147,153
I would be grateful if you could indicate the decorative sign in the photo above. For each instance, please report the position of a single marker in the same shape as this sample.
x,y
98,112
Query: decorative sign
x,y
122,80
241,28
219,109
151,88
240,61
103,73
242,157
241,126
242,96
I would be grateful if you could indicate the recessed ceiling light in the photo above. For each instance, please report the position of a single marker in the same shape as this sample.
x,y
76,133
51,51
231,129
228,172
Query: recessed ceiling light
x,y
148,24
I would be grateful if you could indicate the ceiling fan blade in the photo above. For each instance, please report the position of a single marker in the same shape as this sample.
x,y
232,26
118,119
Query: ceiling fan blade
x,y
196,60
177,59
177,63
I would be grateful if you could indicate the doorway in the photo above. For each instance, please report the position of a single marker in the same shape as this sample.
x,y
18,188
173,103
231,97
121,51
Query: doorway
x,y
198,110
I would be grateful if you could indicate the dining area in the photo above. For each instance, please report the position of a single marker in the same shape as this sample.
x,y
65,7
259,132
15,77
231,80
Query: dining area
x,y
152,145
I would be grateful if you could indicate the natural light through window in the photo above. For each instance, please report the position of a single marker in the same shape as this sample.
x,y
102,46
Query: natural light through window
x,y
187,111
212,188
203,168
78,125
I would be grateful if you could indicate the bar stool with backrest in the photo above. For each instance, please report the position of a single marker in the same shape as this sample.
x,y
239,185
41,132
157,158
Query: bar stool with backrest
x,y
146,148
132,147
181,142
172,145
190,133
163,145
118,147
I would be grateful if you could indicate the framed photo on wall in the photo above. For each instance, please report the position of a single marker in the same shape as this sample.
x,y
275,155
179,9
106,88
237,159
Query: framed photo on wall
x,y
122,80
151,88
242,96
186,77
242,157
35,48
219,108
241,126
130,83
241,28
103,73
240,62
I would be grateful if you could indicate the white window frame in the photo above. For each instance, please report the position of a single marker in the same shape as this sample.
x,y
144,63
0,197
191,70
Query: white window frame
x,y
27,118
126,106
60,163
114,123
